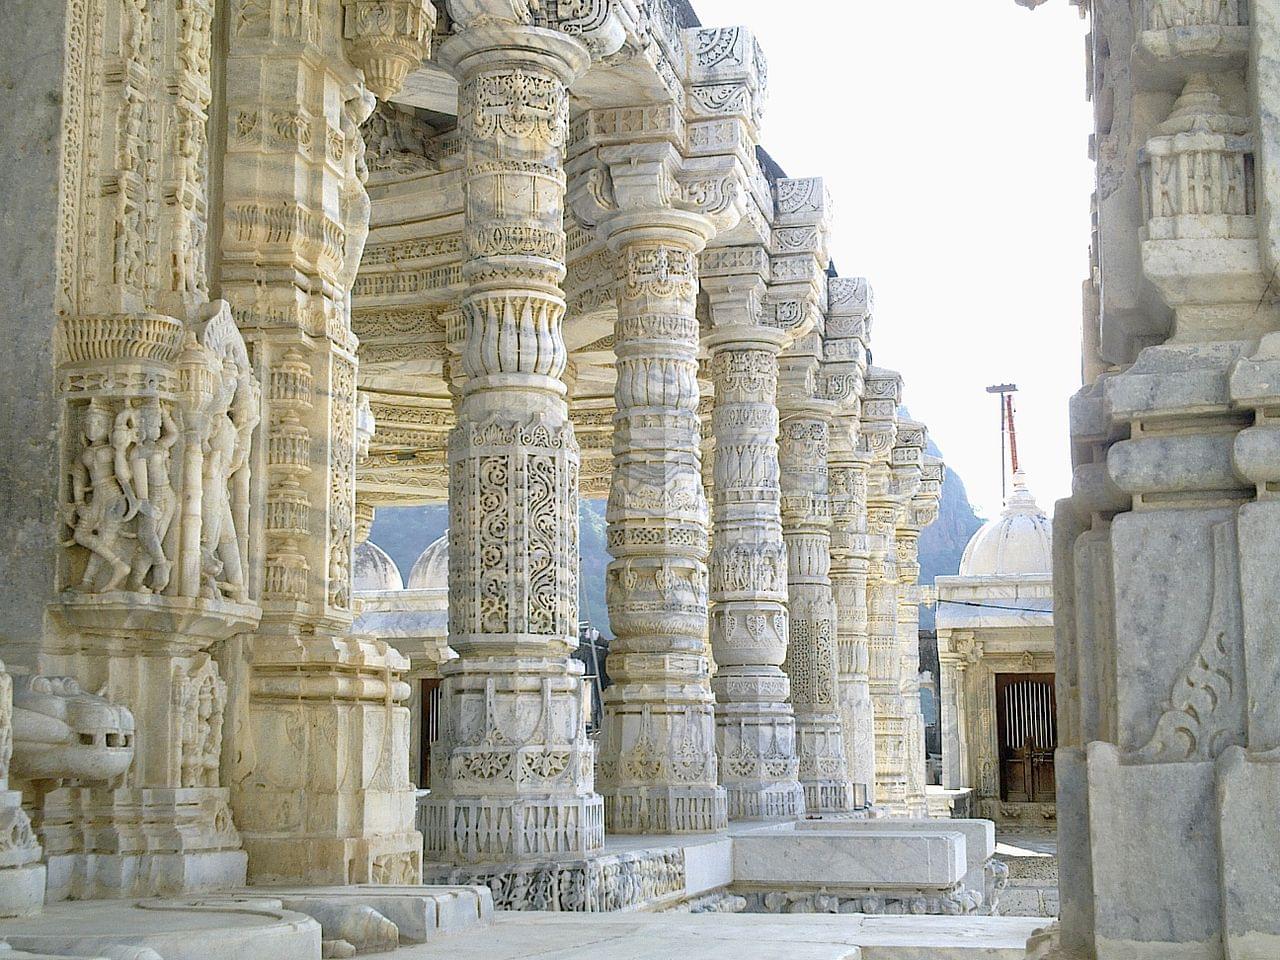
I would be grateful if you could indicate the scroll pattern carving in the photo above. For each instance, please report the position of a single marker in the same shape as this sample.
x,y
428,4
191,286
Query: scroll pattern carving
x,y
1205,712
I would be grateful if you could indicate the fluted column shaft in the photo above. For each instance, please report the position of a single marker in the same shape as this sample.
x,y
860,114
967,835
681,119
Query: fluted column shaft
x,y
811,660
850,562
658,771
514,776
755,726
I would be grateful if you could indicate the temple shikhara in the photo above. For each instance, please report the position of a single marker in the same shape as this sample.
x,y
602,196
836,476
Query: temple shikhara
x,y
270,269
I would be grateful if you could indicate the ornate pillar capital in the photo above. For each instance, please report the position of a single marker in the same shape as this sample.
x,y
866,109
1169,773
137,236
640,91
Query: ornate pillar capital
x,y
386,39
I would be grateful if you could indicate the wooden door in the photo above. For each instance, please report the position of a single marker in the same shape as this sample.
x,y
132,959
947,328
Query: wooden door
x,y
1028,730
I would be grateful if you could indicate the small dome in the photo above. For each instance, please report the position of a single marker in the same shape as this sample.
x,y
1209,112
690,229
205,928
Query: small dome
x,y
375,570
431,569
1019,541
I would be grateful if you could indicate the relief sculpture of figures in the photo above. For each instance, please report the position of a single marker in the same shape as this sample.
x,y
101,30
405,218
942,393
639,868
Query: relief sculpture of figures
x,y
203,698
226,452
143,438
102,503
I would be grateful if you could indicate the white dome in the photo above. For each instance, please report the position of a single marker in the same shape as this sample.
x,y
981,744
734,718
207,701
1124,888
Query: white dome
x,y
375,570
431,569
1019,541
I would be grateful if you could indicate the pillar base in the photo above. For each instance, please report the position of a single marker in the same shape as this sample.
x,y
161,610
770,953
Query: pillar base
x,y
828,796
102,844
598,884
107,876
22,890
483,830
391,859
823,774
22,875
779,800
661,809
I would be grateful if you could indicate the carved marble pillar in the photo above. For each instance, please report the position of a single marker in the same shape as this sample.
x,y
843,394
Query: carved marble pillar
x,y
953,713
755,725
908,540
657,208
512,774
907,462
922,510
156,408
812,662
660,769
876,437
317,729
850,563
846,334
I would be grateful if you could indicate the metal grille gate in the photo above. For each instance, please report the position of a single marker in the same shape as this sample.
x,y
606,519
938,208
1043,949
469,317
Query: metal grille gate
x,y
1028,732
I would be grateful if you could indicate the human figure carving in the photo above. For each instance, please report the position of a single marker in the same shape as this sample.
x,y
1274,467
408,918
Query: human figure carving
x,y
143,449
356,207
202,713
101,503
226,452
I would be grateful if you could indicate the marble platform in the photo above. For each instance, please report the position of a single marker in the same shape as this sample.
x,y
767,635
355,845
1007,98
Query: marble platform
x,y
647,936
875,866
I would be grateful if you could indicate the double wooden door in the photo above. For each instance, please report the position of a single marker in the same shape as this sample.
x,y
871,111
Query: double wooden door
x,y
1028,730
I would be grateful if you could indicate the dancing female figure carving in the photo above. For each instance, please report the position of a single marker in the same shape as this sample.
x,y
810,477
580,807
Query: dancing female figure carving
x,y
101,503
143,438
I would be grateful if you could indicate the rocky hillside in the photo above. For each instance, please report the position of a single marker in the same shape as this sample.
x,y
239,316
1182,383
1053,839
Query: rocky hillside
x,y
404,532
942,543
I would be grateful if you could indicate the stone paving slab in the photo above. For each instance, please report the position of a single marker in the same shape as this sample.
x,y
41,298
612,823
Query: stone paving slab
x,y
212,928
671,936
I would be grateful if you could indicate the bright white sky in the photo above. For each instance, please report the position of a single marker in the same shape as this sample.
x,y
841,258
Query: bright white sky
x,y
952,135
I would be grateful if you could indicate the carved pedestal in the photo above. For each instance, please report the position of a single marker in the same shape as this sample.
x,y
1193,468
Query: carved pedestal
x,y
157,420
22,875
